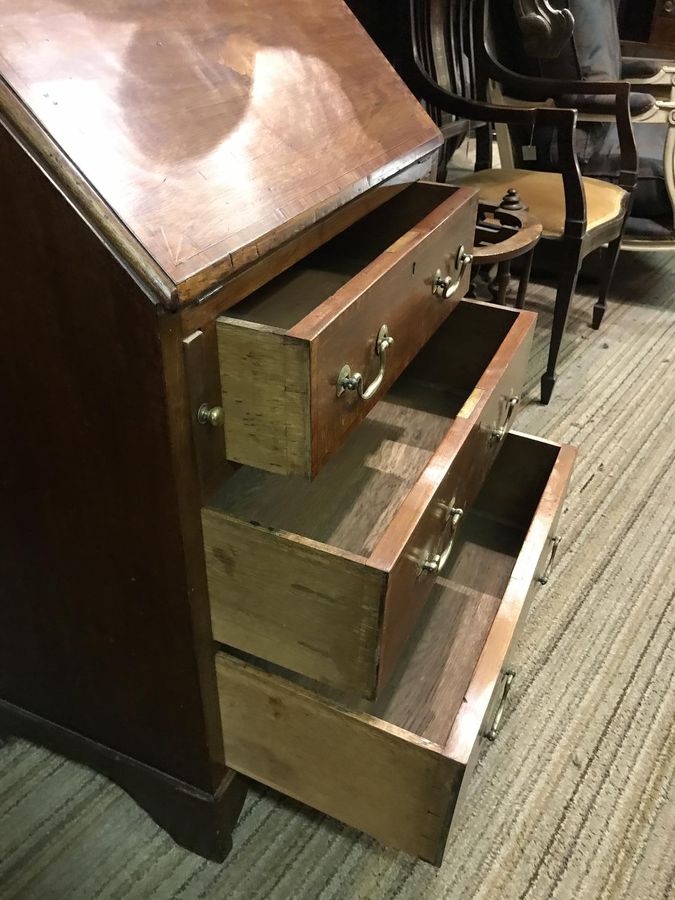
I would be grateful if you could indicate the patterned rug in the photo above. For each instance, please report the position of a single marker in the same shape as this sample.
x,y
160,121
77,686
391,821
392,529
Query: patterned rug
x,y
576,799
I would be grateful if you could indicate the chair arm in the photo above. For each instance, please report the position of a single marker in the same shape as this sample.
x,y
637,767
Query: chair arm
x,y
561,120
618,100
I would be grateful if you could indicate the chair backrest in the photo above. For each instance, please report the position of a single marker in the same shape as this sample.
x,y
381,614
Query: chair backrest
x,y
590,50
442,32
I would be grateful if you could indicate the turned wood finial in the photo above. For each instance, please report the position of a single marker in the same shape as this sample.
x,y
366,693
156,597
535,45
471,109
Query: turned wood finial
x,y
545,29
511,201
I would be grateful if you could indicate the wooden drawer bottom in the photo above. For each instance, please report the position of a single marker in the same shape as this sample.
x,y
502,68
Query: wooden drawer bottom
x,y
394,767
327,578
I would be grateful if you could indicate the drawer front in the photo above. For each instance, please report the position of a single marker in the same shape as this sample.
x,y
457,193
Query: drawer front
x,y
396,293
499,663
507,680
430,545
396,783
298,372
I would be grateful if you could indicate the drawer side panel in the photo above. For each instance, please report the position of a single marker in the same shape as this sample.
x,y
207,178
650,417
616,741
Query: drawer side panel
x,y
371,776
265,383
318,615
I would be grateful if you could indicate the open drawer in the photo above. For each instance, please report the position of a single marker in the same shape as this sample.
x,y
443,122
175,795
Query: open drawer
x,y
327,577
303,359
394,768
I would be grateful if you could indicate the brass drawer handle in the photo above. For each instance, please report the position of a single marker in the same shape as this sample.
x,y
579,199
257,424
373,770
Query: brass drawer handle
x,y
353,381
491,735
435,563
447,287
500,432
555,543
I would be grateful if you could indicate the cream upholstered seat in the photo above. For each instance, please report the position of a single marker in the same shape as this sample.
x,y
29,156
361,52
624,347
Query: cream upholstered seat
x,y
543,193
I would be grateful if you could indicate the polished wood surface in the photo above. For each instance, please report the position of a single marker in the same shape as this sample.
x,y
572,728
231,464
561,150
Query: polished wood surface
x,y
462,463
104,623
503,235
374,509
203,386
281,350
394,768
278,260
211,132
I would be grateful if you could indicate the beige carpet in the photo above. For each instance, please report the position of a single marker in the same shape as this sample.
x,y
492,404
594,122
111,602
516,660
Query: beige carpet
x,y
576,798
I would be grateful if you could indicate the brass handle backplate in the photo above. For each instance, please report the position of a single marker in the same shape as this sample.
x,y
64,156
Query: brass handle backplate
x,y
510,407
435,563
491,735
353,381
544,577
446,287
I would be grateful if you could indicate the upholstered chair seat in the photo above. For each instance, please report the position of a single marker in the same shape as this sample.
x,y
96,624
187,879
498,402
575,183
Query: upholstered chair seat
x,y
543,192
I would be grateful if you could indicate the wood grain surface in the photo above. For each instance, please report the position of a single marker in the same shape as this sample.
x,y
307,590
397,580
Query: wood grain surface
x,y
395,768
212,132
485,350
104,623
376,502
326,312
265,393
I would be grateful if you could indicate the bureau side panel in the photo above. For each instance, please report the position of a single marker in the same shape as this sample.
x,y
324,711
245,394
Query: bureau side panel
x,y
98,624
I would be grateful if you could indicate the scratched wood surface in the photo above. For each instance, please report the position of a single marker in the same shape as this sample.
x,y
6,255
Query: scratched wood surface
x,y
395,768
214,131
281,349
378,503
352,501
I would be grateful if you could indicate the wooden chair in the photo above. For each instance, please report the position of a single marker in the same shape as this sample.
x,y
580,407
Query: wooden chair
x,y
504,232
578,214
590,50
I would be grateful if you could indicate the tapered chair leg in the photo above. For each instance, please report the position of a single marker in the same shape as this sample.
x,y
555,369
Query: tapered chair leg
x,y
566,287
611,254
524,280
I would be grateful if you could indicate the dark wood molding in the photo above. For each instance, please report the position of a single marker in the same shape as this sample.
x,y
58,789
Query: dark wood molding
x,y
201,822
545,30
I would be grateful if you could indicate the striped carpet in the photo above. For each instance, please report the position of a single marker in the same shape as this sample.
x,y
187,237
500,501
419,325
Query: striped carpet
x,y
576,799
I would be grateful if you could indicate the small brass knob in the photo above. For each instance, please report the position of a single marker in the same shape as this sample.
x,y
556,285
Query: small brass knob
x,y
210,415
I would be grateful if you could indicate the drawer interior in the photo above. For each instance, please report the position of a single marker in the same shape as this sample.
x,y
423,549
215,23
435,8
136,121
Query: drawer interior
x,y
353,499
286,300
433,674
394,766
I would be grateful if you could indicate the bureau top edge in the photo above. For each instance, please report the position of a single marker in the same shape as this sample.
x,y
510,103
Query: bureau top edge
x,y
173,131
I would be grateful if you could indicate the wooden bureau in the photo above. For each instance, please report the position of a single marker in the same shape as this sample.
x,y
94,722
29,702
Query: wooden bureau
x,y
265,515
